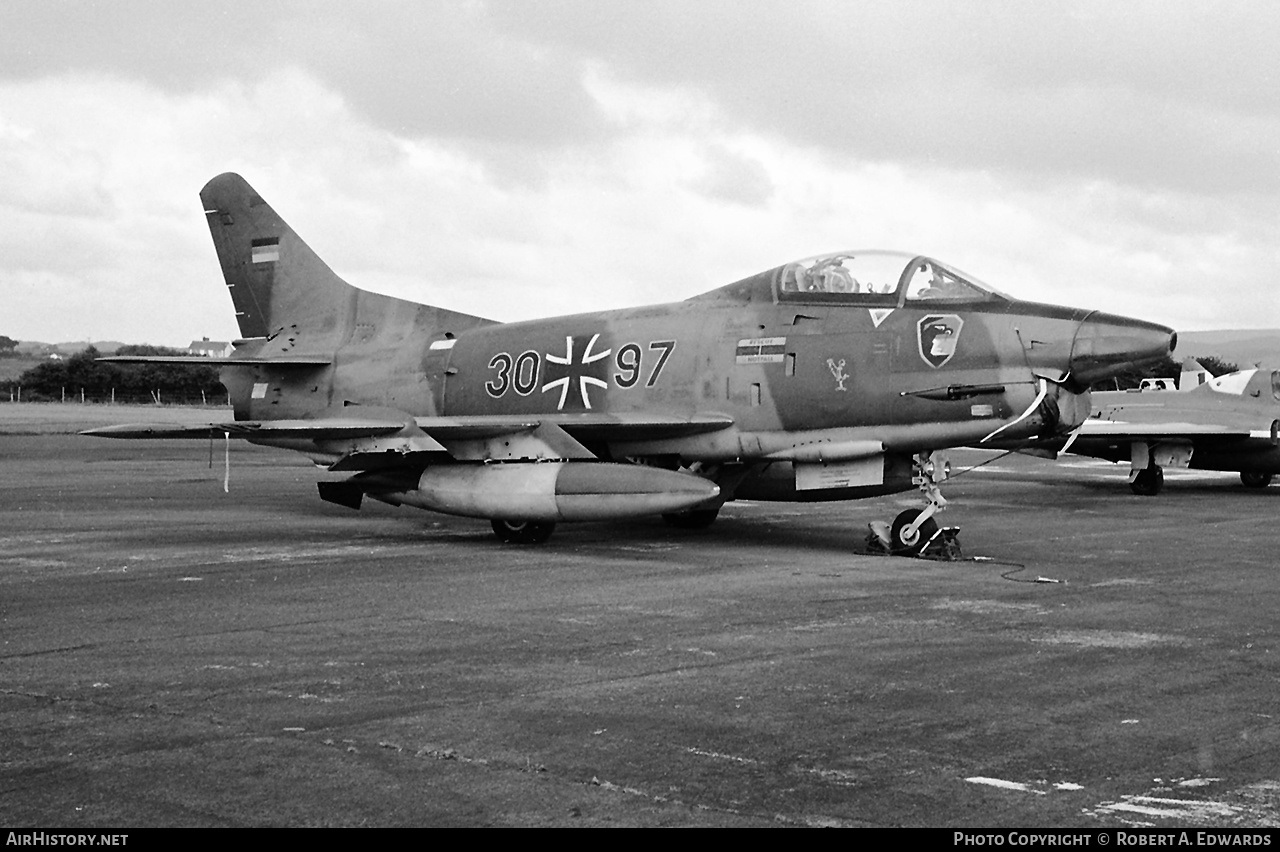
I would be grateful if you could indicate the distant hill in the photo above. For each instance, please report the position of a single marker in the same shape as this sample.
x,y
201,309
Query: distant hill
x,y
1244,347
35,347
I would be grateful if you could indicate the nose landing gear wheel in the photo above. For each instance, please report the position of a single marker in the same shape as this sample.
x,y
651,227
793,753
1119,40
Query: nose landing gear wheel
x,y
905,541
524,532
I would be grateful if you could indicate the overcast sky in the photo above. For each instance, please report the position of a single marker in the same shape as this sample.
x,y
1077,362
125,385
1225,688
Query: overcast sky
x,y
524,159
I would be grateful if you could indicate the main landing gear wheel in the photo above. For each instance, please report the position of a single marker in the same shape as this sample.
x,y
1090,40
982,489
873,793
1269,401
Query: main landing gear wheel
x,y
524,532
1254,479
694,519
1148,481
904,540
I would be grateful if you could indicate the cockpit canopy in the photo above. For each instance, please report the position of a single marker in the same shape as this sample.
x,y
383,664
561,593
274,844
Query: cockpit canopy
x,y
876,278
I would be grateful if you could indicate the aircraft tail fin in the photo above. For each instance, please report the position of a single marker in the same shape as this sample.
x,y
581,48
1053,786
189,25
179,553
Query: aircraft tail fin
x,y
1193,375
274,277
288,298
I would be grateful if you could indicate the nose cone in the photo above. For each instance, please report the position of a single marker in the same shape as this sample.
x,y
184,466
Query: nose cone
x,y
1106,345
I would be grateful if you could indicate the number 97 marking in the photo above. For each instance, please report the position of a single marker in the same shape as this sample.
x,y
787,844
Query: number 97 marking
x,y
630,359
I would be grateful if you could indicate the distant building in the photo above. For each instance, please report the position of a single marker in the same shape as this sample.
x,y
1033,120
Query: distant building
x,y
207,348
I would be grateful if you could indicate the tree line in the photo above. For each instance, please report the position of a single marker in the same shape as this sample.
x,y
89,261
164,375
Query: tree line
x,y
80,376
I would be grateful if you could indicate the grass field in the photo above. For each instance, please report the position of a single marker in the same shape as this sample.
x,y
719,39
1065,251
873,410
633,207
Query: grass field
x,y
54,418
11,368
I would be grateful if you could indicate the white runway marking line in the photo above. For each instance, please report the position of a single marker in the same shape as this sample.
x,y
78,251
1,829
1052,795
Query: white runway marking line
x,y
1198,782
1170,808
1004,785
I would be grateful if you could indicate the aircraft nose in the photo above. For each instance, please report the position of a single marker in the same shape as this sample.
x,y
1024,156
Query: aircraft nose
x,y
1107,344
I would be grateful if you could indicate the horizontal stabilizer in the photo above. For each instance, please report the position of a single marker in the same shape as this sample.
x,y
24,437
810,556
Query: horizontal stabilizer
x,y
318,430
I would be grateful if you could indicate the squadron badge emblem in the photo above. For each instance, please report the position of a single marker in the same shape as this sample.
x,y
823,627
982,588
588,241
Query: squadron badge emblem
x,y
936,337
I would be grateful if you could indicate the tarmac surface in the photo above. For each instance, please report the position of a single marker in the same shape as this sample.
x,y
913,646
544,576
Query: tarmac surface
x,y
173,655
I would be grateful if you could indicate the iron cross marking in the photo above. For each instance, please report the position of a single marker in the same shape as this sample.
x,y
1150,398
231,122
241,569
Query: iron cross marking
x,y
586,371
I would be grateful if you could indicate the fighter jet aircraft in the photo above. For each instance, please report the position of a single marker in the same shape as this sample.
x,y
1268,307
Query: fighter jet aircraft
x,y
1228,423
829,378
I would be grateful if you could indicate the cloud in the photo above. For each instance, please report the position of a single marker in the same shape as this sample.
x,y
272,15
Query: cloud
x,y
518,160
1160,95
415,69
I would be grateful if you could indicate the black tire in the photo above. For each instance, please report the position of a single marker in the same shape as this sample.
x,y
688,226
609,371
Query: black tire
x,y
1148,482
1255,479
695,519
524,532
900,542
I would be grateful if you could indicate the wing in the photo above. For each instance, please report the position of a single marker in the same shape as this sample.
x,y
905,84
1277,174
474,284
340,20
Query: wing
x,y
505,438
1178,440
388,439
586,426
1172,430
